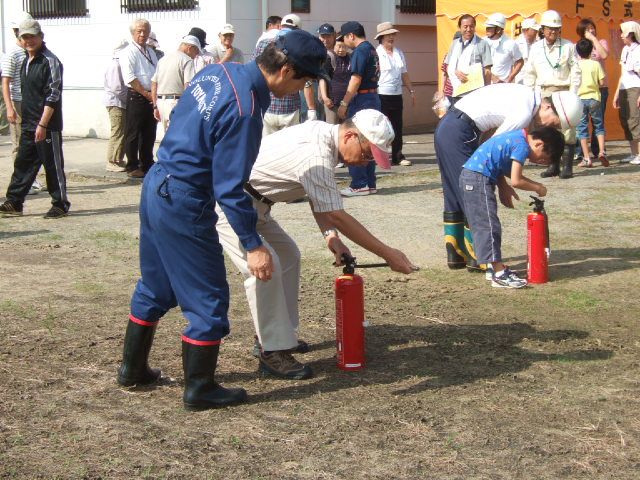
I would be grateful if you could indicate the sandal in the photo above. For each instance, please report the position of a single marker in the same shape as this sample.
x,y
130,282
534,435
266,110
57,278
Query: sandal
x,y
586,163
603,160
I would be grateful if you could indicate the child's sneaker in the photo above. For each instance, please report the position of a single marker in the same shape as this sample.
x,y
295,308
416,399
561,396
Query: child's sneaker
x,y
508,279
354,192
635,161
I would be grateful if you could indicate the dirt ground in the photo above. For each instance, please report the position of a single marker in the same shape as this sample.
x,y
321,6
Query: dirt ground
x,y
463,380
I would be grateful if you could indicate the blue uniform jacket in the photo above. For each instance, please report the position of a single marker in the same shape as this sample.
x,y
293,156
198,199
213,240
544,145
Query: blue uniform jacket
x,y
214,137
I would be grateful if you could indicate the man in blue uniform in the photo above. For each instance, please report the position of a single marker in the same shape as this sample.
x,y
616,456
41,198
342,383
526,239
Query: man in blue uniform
x,y
362,93
204,159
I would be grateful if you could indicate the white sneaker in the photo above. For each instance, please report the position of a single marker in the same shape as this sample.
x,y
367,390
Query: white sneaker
x,y
635,161
340,165
405,163
36,188
628,159
112,167
354,192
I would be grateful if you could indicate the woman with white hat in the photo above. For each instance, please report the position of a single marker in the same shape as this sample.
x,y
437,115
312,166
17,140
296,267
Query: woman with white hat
x,y
393,76
627,96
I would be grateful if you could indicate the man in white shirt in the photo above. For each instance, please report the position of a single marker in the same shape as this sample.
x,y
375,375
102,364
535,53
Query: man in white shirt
x,y
506,56
223,50
138,63
272,26
525,40
553,67
495,108
293,162
175,71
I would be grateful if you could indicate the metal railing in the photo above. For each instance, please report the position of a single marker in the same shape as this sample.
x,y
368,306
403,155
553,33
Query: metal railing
x,y
55,8
132,6
417,6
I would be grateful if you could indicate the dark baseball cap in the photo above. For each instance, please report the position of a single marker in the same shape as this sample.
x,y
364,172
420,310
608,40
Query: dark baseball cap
x,y
305,52
200,35
351,27
326,29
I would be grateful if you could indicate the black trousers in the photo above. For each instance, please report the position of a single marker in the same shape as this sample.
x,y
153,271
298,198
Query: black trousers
x,y
31,155
392,108
140,132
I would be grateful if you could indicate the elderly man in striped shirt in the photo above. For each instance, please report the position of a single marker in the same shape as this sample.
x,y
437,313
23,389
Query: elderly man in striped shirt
x,y
292,163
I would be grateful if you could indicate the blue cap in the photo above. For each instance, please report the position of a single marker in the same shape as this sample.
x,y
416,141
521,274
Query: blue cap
x,y
326,29
305,52
351,27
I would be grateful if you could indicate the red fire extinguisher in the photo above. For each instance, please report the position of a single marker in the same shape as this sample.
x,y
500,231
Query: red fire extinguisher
x,y
350,321
538,246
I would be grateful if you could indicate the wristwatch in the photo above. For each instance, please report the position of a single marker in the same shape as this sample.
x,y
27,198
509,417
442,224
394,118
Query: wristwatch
x,y
330,231
343,103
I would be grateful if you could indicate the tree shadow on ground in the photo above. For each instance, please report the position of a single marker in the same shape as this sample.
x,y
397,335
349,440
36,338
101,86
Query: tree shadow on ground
x,y
439,356
587,262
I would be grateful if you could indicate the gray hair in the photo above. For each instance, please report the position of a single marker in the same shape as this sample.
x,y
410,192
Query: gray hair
x,y
139,21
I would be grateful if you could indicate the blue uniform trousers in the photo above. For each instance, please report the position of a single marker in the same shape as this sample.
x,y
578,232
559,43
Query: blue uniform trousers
x,y
362,177
455,141
181,259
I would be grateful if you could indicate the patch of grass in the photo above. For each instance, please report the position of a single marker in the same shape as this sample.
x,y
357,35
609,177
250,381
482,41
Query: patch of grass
x,y
90,288
112,239
581,301
49,320
18,310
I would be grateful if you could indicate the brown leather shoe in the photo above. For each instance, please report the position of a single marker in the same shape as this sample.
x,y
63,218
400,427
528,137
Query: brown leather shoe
x,y
282,364
137,173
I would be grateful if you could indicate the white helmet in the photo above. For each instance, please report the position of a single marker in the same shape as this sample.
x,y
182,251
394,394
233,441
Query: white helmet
x,y
569,108
551,18
19,18
496,20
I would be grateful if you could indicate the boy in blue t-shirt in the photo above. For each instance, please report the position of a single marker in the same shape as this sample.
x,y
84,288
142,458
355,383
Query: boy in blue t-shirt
x,y
500,157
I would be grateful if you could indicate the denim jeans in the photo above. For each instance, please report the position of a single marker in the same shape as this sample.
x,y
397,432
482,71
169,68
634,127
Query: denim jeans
x,y
363,176
590,109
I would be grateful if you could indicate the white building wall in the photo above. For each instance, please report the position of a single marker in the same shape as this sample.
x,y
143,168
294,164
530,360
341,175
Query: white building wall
x,y
84,45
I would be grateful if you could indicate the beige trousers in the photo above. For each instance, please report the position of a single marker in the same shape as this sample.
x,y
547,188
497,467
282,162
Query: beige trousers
x,y
272,122
115,147
165,107
15,129
273,304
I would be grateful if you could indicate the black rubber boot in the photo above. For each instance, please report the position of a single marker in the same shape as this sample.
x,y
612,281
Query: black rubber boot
x,y
201,392
135,367
567,161
553,170
454,239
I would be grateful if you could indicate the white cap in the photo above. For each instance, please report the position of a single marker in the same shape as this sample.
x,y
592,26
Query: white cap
x,y
291,20
569,108
496,20
551,18
122,44
152,41
378,130
19,18
530,23
228,28
192,40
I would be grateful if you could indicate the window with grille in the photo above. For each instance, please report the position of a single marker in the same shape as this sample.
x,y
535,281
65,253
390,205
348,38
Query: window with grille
x,y
417,6
55,8
132,6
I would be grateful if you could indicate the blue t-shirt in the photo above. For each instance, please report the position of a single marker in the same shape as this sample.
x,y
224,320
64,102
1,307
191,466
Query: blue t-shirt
x,y
494,157
364,62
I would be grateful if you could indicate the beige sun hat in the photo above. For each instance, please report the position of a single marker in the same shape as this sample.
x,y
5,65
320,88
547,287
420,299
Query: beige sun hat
x,y
385,28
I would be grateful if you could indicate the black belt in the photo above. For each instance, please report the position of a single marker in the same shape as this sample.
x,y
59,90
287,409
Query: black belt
x,y
169,97
257,195
460,114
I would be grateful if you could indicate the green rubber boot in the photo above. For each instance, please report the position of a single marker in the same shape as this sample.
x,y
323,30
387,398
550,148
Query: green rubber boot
x,y
472,262
454,239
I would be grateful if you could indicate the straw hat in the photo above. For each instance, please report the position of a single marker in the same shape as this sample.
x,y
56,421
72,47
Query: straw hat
x,y
385,28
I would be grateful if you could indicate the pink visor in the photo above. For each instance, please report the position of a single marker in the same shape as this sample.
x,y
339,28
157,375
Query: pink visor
x,y
382,158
